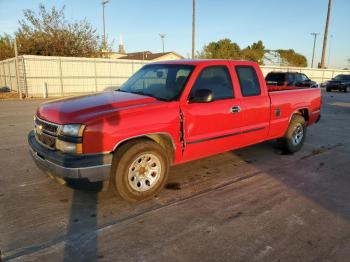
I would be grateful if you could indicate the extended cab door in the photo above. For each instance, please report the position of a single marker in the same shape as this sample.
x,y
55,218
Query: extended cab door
x,y
211,127
255,103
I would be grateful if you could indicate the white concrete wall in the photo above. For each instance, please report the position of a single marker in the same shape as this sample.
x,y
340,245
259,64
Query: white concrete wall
x,y
70,75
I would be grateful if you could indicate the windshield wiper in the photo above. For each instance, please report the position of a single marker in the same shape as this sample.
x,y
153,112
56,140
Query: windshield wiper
x,y
148,94
143,94
140,93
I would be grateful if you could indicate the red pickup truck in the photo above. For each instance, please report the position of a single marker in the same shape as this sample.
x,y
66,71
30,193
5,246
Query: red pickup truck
x,y
166,114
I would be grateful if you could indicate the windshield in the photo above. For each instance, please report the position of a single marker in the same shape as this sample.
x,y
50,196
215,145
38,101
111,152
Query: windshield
x,y
342,77
163,82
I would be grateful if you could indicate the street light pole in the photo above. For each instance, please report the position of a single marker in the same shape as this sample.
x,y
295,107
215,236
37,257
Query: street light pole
x,y
193,28
162,36
313,50
326,35
104,45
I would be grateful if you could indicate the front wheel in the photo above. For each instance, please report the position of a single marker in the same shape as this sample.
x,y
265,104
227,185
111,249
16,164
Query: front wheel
x,y
139,170
294,138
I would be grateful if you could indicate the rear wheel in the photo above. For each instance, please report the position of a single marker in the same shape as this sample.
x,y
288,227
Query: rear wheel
x,y
294,138
139,170
328,89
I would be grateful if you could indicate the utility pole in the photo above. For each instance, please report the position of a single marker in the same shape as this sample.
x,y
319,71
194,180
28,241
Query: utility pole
x,y
104,45
193,28
329,51
326,34
162,36
313,50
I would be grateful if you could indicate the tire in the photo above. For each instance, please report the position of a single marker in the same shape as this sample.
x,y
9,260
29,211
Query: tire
x,y
139,170
294,138
328,89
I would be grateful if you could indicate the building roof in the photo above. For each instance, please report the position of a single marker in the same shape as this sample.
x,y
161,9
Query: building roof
x,y
147,55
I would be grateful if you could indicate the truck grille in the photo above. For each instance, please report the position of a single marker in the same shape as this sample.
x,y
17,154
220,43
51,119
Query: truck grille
x,y
45,132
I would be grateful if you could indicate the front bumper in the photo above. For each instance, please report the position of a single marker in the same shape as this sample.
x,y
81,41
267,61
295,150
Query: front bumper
x,y
94,168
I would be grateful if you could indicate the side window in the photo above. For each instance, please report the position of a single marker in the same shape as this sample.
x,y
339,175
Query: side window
x,y
248,81
217,79
298,78
290,78
304,77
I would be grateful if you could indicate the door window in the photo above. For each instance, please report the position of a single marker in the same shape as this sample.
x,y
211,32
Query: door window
x,y
217,79
248,81
304,78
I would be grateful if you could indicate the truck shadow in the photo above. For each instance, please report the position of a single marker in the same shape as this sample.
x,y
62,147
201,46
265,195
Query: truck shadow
x,y
83,213
308,173
80,241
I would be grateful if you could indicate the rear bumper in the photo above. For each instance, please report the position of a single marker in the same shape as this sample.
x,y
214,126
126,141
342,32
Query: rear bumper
x,y
94,168
336,87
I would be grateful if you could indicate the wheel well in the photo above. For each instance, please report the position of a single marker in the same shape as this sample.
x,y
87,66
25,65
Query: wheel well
x,y
163,140
304,113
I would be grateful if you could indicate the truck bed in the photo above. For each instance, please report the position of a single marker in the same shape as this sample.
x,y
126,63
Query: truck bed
x,y
283,104
273,88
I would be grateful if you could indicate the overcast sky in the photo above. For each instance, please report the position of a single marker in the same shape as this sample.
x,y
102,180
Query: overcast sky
x,y
280,24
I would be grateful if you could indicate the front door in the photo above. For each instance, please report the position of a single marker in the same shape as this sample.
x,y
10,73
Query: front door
x,y
212,127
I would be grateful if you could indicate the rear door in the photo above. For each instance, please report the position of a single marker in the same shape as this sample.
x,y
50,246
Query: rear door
x,y
255,104
212,127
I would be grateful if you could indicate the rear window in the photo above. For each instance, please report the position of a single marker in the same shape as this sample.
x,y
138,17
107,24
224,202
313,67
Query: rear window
x,y
275,77
248,81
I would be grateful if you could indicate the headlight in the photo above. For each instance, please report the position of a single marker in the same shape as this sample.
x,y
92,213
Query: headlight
x,y
70,138
74,130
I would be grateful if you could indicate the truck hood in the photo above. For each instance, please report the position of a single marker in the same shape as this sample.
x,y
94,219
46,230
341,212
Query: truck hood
x,y
83,108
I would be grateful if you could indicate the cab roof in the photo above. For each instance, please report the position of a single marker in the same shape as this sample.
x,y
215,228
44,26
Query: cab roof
x,y
204,62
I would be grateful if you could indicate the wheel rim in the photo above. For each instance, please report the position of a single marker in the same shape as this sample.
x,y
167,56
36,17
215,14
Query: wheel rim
x,y
298,134
144,172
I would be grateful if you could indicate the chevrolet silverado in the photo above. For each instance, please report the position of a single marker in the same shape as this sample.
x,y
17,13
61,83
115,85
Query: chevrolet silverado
x,y
167,113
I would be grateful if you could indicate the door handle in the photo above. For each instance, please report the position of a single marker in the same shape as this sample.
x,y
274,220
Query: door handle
x,y
235,109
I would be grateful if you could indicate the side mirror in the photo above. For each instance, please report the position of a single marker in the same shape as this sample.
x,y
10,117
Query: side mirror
x,y
202,96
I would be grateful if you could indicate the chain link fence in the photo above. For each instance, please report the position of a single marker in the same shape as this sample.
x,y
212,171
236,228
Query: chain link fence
x,y
39,76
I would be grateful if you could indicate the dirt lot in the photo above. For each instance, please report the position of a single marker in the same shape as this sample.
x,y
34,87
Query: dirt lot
x,y
254,204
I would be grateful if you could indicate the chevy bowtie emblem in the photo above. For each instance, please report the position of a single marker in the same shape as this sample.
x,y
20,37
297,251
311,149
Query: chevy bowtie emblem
x,y
39,129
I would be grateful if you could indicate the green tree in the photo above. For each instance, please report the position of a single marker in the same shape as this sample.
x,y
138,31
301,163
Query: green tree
x,y
292,58
222,49
48,33
255,52
6,47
